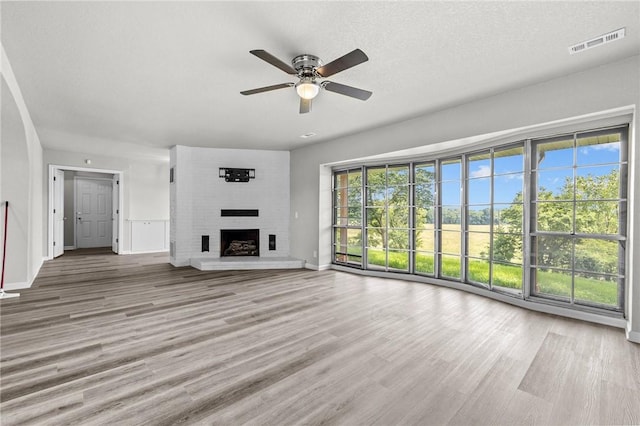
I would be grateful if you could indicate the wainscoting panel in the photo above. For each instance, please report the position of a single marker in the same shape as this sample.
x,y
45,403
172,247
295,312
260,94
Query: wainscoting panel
x,y
149,235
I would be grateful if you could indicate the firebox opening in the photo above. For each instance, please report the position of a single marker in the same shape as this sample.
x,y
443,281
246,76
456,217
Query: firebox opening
x,y
239,242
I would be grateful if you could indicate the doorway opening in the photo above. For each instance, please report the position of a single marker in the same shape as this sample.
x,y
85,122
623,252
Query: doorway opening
x,y
85,209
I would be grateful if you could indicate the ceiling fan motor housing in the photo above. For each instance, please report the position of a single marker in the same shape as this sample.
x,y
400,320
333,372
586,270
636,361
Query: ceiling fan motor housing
x,y
306,65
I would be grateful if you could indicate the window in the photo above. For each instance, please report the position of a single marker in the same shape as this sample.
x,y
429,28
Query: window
x,y
450,203
347,217
424,210
543,218
579,216
388,216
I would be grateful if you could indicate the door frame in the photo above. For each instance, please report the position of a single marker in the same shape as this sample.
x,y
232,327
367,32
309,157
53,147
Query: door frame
x,y
58,214
120,221
75,204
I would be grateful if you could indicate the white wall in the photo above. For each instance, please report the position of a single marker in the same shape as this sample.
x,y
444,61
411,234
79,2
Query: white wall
x,y
145,185
199,194
22,149
603,88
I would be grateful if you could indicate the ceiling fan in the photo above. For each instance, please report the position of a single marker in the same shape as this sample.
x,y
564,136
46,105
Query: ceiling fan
x,y
310,69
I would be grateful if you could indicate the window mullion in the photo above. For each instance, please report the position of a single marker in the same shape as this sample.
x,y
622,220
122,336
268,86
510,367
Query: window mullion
x,y
411,218
528,192
437,228
464,205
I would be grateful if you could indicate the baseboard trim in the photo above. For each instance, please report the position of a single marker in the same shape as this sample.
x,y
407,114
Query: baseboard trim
x,y
317,267
69,247
144,252
181,263
633,336
17,286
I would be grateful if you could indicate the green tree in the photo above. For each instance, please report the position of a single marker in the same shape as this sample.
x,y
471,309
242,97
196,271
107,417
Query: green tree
x,y
555,213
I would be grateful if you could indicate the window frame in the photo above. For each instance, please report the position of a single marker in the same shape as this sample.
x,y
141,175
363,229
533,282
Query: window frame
x,y
529,233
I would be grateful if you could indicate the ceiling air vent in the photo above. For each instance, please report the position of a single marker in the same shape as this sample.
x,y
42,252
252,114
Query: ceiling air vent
x,y
603,39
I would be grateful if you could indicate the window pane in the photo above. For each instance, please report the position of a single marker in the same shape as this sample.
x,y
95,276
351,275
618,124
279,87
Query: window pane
x,y
451,215
398,239
355,216
555,184
601,182
450,170
397,175
425,173
478,244
450,266
554,216
376,195
376,176
479,218
555,153
376,217
342,213
479,191
375,237
552,251
355,178
599,256
354,196
597,217
398,217
376,257
507,275
478,270
340,236
425,195
451,193
508,217
424,218
507,248
598,289
341,180
479,165
599,149
507,188
554,283
508,160
425,262
425,240
450,242
398,195
399,260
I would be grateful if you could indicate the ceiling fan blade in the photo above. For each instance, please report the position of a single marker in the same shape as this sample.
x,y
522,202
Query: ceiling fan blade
x,y
266,89
305,106
347,61
342,89
268,57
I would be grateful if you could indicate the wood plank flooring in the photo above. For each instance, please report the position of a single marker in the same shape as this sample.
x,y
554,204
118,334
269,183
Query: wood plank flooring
x,y
131,340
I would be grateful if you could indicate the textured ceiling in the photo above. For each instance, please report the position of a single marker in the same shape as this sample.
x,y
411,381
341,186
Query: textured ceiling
x,y
108,77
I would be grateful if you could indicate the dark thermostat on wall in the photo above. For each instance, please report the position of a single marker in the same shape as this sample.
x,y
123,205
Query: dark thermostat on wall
x,y
236,175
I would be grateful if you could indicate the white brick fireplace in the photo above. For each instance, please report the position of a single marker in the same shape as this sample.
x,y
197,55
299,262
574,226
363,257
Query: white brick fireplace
x,y
199,195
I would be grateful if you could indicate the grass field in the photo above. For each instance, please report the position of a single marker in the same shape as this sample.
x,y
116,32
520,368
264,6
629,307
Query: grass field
x,y
506,275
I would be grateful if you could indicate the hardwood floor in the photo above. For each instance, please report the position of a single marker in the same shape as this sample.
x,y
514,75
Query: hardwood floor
x,y
105,339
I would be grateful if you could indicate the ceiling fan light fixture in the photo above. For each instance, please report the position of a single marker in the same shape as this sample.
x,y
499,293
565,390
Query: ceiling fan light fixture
x,y
307,89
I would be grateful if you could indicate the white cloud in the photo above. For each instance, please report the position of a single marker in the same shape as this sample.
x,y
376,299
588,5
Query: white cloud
x,y
482,171
613,147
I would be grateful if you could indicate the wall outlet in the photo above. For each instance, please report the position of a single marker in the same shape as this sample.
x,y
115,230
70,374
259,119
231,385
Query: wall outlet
x,y
315,254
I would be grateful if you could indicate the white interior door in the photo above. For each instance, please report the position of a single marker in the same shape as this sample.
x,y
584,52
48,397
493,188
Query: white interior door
x,y
58,213
115,209
93,212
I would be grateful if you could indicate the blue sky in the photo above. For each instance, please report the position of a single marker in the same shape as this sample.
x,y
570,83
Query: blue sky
x,y
555,167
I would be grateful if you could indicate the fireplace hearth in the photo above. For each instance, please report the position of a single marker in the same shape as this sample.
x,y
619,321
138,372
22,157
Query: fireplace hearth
x,y
239,242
